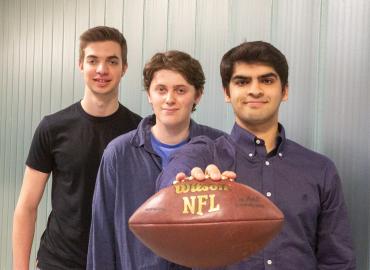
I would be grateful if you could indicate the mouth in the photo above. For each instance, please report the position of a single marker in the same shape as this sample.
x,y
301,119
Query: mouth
x,y
101,81
169,110
255,103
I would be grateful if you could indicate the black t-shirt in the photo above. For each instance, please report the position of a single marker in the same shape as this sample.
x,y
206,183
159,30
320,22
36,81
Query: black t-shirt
x,y
70,144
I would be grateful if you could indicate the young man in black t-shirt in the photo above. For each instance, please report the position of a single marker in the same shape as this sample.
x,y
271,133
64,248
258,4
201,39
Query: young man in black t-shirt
x,y
69,144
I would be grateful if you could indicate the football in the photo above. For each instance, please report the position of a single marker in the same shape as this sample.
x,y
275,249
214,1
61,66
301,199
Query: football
x,y
206,223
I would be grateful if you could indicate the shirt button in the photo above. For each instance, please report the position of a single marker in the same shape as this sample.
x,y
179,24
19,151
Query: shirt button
x,y
269,262
268,194
258,141
267,162
280,154
250,154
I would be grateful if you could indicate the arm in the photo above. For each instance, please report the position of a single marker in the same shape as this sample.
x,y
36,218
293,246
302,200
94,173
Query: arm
x,y
198,153
334,244
25,216
101,252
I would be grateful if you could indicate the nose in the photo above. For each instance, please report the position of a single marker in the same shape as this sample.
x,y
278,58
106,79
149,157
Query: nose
x,y
255,89
170,97
102,68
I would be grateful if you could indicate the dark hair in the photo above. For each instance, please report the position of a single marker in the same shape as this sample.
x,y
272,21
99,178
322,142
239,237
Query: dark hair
x,y
180,62
103,33
254,52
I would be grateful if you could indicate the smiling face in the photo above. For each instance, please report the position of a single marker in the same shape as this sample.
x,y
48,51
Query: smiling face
x,y
172,99
255,93
102,67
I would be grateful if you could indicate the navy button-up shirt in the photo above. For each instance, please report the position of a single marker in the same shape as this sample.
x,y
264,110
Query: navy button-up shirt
x,y
303,184
125,180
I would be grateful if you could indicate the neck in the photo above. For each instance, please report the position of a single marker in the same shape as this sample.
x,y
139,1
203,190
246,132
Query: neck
x,y
99,105
170,135
268,133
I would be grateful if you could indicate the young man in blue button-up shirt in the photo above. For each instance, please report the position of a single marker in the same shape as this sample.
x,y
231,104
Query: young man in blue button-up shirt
x,y
131,163
303,184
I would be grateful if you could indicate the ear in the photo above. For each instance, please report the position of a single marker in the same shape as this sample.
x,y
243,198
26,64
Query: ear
x,y
81,66
226,95
124,69
285,93
148,96
198,97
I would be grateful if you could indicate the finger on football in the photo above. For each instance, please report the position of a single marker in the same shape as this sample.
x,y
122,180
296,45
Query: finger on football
x,y
180,177
229,175
213,172
198,174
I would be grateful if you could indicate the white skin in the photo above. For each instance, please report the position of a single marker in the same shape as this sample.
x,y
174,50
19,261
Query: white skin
x,y
102,68
172,99
255,93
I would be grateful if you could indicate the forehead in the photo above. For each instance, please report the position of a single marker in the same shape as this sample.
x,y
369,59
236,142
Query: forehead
x,y
169,77
252,69
103,49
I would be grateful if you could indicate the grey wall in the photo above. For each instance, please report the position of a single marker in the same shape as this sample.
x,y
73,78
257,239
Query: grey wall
x,y
327,43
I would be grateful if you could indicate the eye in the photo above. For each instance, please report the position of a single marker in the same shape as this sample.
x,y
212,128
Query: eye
x,y
181,91
268,81
241,82
161,89
91,61
113,62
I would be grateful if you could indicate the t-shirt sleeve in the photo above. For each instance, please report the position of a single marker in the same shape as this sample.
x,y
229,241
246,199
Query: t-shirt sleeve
x,y
40,156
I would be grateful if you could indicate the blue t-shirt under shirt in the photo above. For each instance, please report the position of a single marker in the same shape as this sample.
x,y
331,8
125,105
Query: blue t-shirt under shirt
x,y
165,150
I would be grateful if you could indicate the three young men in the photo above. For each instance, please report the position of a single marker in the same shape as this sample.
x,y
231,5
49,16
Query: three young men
x,y
131,163
303,184
69,144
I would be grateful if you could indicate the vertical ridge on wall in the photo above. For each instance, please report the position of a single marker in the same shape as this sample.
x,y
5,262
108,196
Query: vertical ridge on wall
x,y
4,150
347,109
14,105
211,36
2,129
155,37
131,87
181,25
321,70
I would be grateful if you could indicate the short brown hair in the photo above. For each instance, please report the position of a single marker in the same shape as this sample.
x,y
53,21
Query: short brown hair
x,y
103,33
177,61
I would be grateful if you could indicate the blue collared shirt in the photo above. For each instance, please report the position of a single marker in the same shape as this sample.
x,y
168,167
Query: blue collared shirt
x,y
303,184
125,180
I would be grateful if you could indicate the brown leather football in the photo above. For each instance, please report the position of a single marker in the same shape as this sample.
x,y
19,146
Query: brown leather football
x,y
206,224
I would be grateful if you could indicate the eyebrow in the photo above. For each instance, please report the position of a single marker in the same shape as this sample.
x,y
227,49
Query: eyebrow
x,y
267,75
109,57
175,86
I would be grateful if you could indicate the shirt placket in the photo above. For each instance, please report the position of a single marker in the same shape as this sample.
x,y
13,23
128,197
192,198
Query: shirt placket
x,y
267,165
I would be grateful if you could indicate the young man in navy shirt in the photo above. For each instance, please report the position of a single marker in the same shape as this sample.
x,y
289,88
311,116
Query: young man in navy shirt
x,y
131,163
303,184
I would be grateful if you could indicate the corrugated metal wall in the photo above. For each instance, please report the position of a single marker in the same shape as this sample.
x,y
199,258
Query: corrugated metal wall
x,y
327,43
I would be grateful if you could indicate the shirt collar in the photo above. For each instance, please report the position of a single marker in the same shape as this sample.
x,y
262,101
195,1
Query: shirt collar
x,y
143,133
249,142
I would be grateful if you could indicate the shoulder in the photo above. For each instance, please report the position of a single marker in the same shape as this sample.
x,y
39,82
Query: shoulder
x,y
315,163
198,130
294,148
129,115
121,143
59,118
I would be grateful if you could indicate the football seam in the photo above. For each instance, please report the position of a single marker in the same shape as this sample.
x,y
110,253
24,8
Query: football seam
x,y
206,222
